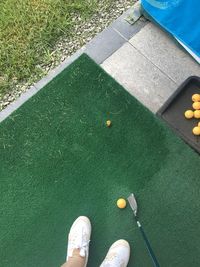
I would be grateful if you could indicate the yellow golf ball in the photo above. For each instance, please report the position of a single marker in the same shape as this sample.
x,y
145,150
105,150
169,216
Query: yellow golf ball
x,y
196,105
196,97
108,123
196,130
198,124
197,114
121,203
189,114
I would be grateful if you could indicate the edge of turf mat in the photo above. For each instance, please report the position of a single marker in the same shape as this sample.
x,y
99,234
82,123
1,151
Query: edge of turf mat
x,y
59,161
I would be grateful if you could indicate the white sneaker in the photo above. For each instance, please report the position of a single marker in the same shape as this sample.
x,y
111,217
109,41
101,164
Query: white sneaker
x,y
79,237
118,255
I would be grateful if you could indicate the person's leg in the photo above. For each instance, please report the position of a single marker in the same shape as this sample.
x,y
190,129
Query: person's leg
x,y
76,260
78,243
118,255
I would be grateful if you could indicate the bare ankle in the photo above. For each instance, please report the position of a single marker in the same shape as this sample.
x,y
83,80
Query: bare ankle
x,y
76,257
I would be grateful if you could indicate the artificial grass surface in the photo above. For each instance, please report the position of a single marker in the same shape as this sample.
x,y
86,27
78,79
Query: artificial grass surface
x,y
59,161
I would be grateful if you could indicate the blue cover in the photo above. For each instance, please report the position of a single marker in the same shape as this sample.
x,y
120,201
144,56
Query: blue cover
x,y
179,17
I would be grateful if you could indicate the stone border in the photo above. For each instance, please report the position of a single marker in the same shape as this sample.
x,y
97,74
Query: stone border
x,y
99,49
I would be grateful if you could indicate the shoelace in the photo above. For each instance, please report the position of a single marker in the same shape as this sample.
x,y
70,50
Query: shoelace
x,y
83,248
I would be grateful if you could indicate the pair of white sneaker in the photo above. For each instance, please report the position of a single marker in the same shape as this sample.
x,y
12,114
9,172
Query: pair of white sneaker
x,y
79,238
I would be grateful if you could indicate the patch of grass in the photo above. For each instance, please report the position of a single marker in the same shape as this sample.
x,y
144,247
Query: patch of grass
x,y
29,29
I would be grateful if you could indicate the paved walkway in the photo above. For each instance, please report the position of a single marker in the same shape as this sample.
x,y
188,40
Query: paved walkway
x,y
151,66
141,57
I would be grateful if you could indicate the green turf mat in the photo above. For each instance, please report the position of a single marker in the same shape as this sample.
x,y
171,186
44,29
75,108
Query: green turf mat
x,y
59,161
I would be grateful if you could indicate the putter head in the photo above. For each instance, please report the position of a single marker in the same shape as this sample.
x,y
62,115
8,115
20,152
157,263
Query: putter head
x,y
132,202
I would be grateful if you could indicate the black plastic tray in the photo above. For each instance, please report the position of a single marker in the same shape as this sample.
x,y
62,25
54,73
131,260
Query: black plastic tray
x,y
173,111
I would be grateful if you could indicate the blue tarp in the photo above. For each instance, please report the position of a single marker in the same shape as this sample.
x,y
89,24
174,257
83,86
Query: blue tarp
x,y
179,17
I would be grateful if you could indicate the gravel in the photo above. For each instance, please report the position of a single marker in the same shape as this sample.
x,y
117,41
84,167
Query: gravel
x,y
65,47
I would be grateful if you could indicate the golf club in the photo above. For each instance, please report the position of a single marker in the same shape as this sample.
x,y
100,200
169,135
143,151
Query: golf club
x,y
133,204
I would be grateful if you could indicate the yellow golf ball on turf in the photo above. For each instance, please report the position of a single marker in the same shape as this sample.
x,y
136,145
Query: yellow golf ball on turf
x,y
108,123
196,130
196,97
196,105
121,203
198,124
197,114
189,114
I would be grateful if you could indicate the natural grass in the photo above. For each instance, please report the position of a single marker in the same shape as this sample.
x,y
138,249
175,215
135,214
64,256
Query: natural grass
x,y
29,29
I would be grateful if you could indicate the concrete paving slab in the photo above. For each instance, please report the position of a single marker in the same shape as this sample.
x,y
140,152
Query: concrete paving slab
x,y
130,22
134,13
126,29
139,76
165,53
104,45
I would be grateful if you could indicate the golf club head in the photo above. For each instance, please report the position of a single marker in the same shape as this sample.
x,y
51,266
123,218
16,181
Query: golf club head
x,y
133,203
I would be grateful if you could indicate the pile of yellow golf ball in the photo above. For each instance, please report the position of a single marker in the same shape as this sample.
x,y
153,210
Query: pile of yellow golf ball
x,y
189,114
